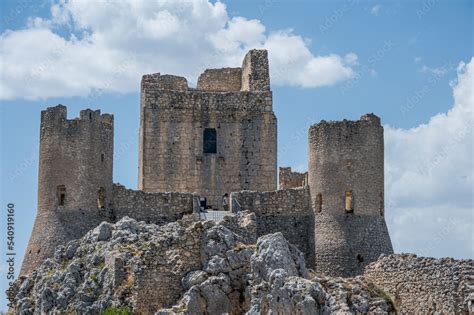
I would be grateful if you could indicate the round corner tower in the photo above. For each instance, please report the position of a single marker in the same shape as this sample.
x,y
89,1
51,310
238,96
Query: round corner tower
x,y
74,180
346,179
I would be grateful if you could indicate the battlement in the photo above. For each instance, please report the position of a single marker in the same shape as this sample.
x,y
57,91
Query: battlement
x,y
365,120
345,135
54,119
253,76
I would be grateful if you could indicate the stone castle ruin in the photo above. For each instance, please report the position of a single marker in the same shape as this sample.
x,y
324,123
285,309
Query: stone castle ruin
x,y
203,142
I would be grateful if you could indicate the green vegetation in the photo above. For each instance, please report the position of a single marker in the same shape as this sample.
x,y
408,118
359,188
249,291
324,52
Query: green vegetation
x,y
113,310
377,292
101,264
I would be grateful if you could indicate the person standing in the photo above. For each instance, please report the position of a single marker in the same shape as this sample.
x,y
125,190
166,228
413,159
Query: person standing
x,y
225,202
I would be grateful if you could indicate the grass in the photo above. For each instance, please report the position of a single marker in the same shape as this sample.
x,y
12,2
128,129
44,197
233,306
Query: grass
x,y
113,310
375,291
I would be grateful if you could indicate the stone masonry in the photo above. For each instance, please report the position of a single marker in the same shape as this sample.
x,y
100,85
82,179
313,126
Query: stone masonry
x,y
287,211
425,285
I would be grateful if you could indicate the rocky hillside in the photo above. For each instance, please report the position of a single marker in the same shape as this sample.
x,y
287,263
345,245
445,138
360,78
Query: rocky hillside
x,y
188,267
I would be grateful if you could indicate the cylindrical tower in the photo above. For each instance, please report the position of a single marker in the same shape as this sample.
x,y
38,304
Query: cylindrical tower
x,y
346,179
74,181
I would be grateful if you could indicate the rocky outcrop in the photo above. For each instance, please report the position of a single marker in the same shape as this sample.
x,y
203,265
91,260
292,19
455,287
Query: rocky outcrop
x,y
134,265
281,284
191,267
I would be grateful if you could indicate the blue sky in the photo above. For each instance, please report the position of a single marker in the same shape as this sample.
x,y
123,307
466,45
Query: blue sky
x,y
410,62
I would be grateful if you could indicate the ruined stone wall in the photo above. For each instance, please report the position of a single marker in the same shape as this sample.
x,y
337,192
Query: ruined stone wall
x,y
255,71
158,208
425,285
346,161
287,211
223,80
289,179
75,163
164,82
172,125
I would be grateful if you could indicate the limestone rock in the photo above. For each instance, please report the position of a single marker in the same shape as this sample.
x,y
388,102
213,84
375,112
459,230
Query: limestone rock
x,y
195,266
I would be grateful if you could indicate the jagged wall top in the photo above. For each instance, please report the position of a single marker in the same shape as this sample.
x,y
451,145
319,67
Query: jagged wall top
x,y
364,119
253,76
56,117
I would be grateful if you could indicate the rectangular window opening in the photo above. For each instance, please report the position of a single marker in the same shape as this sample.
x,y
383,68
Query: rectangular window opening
x,y
210,140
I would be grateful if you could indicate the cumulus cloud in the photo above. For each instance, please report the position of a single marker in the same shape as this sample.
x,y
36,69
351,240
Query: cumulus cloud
x,y
78,51
429,178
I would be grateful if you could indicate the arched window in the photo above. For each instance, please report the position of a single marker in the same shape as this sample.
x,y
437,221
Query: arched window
x,y
210,140
349,202
61,194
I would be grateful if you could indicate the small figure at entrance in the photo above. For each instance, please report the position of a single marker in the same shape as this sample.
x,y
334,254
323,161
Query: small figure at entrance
x,y
203,203
225,202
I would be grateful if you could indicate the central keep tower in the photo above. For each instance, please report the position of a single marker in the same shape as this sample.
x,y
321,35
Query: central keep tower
x,y
215,139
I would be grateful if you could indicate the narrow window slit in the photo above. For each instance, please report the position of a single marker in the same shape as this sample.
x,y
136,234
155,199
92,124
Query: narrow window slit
x,y
349,202
101,198
61,194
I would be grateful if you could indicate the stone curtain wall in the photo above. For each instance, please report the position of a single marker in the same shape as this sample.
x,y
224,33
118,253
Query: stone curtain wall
x,y
347,158
158,208
223,80
172,123
289,179
421,285
77,155
287,211
53,228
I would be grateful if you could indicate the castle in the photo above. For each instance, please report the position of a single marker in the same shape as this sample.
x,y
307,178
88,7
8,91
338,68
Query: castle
x,y
217,138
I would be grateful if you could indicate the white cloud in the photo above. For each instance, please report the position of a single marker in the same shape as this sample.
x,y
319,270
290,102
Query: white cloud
x,y
436,71
375,10
79,51
429,178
